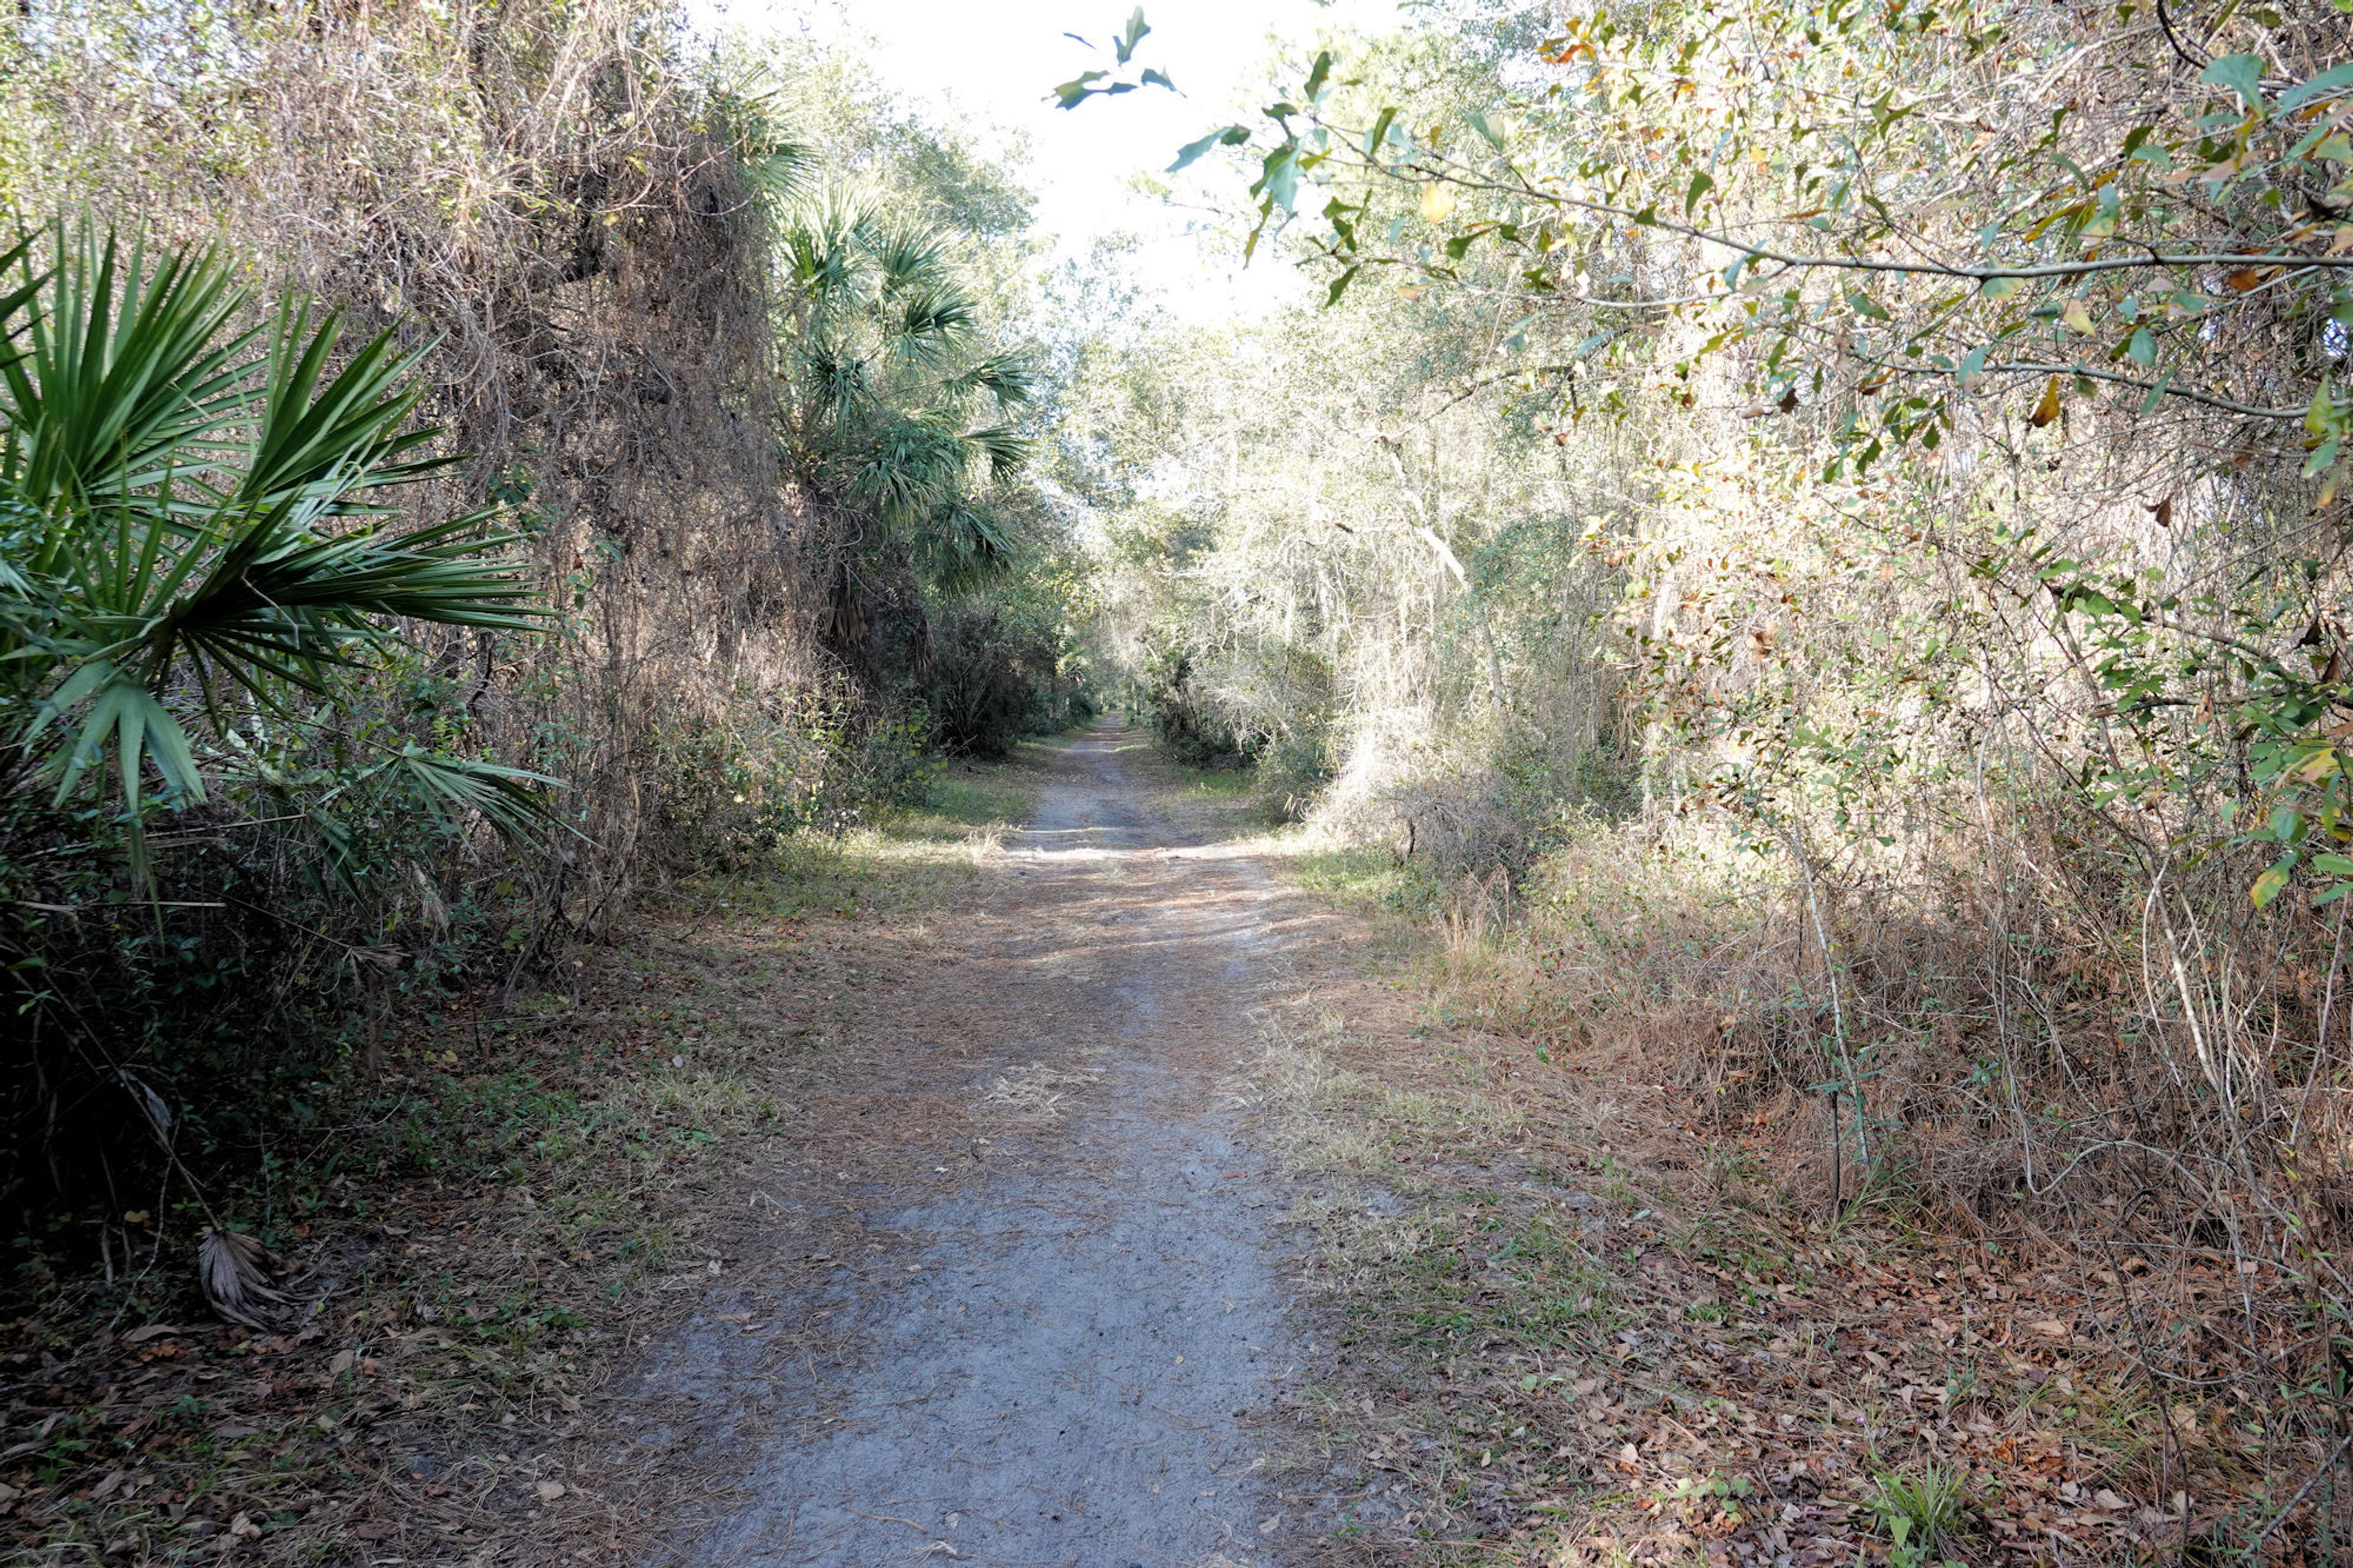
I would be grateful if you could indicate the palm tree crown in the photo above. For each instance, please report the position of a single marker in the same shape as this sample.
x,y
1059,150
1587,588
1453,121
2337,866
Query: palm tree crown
x,y
897,403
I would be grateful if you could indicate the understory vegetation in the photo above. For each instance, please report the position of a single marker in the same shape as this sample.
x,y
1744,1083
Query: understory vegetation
x,y
482,1251
1810,544
464,471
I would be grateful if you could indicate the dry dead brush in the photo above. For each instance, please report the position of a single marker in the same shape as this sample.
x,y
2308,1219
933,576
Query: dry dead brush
x,y
554,198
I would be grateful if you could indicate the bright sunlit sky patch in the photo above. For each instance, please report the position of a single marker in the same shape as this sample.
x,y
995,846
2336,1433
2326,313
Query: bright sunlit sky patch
x,y
996,61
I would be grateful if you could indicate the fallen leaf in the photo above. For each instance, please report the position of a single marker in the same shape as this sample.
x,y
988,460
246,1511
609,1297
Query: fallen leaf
x,y
549,1490
152,1331
2051,1328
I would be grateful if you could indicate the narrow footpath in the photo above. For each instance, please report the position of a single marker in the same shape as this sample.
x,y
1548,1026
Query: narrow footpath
x,y
1053,1326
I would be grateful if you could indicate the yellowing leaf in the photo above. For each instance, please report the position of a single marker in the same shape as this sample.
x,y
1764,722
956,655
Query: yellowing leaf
x,y
2315,767
2078,320
2048,409
1437,202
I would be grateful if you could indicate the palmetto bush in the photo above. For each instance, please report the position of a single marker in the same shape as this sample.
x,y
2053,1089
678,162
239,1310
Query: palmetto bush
x,y
209,713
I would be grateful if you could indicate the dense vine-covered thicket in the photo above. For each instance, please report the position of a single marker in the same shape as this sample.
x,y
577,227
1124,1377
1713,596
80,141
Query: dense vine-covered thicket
x,y
656,314
1834,518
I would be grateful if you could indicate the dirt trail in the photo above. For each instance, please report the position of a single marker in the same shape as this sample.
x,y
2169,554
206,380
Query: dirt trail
x,y
1052,1344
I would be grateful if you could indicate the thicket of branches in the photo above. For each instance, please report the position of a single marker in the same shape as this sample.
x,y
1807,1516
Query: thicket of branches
x,y
651,301
1828,548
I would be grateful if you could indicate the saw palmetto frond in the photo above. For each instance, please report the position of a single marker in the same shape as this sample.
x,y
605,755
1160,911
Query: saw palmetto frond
x,y
189,520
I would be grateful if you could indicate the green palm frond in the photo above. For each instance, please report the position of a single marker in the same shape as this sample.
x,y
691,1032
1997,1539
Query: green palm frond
x,y
912,470
1011,378
838,383
345,430
278,601
125,376
777,174
967,547
117,712
180,514
977,531
911,258
826,246
1000,449
775,163
513,801
931,321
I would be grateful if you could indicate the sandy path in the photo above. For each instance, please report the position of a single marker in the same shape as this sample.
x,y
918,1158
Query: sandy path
x,y
1062,1359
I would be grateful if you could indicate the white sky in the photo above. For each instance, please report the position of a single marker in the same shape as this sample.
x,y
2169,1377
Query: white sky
x,y
997,61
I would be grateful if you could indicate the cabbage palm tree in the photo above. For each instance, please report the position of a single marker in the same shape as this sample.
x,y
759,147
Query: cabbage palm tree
x,y
192,530
897,405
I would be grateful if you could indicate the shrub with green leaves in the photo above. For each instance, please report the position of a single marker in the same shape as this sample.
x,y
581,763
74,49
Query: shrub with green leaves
x,y
200,567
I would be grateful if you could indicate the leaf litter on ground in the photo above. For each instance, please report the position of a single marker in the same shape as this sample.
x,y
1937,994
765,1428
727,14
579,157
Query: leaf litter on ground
x,y
1566,1347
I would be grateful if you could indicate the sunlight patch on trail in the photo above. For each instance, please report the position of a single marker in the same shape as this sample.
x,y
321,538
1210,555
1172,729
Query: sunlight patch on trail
x,y
1035,1093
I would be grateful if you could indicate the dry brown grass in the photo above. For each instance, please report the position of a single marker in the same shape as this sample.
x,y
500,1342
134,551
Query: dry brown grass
x,y
1598,1122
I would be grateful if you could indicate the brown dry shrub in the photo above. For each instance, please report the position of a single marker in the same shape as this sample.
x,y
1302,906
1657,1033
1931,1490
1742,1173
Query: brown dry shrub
x,y
549,196
2048,1060
554,203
